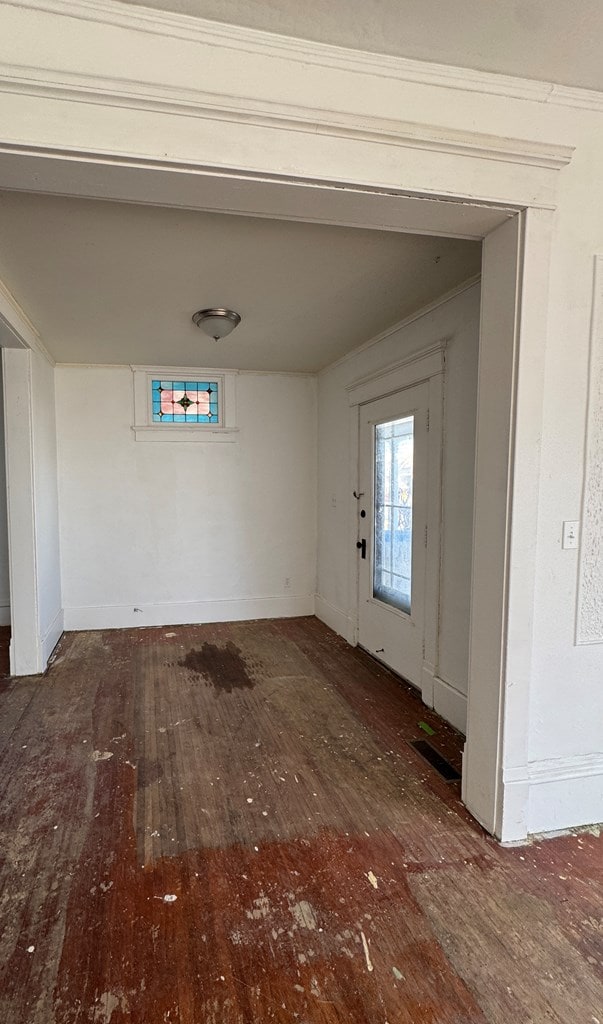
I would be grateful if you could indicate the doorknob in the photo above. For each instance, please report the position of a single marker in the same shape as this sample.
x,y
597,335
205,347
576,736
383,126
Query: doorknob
x,y
361,544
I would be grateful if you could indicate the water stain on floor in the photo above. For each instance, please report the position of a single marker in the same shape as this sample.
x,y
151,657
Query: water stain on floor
x,y
223,667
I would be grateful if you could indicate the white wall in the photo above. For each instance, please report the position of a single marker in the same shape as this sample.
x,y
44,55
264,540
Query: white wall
x,y
4,576
458,320
155,533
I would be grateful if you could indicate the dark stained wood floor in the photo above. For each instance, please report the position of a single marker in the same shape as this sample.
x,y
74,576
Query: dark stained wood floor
x,y
227,824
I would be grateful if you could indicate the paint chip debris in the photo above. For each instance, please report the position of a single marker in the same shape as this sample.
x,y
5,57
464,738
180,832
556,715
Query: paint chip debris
x,y
169,634
303,915
101,755
261,908
30,949
169,898
373,880
397,974
249,799
367,955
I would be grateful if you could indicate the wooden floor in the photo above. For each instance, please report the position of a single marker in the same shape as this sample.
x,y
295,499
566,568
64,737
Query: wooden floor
x,y
228,824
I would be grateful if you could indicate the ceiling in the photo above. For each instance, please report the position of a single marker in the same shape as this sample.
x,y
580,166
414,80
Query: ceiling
x,y
552,40
108,282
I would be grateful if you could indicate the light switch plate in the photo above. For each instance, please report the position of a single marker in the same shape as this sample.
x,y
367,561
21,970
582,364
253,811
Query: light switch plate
x,y
570,534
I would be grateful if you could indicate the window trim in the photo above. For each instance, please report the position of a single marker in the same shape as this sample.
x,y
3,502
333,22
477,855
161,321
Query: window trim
x,y
145,429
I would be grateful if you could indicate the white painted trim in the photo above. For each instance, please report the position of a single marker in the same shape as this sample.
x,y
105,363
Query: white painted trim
x,y
4,615
193,433
560,793
335,619
255,41
25,645
435,507
148,97
450,703
556,769
427,678
560,769
188,369
52,636
179,371
16,329
589,611
251,191
187,613
417,367
471,282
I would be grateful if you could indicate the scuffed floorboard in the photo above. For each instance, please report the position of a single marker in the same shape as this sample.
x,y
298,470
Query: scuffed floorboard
x,y
227,824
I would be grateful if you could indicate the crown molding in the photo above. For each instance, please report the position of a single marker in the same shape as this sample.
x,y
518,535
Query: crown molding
x,y
256,41
140,95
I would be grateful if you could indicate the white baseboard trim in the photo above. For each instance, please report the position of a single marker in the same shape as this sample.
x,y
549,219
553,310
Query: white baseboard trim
x,y
450,703
562,793
4,615
187,613
51,638
565,793
427,678
334,618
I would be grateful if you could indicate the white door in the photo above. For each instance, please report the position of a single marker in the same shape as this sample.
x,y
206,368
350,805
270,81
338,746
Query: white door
x,y
392,529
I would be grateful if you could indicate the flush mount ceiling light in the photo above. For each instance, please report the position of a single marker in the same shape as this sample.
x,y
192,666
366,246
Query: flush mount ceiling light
x,y
216,323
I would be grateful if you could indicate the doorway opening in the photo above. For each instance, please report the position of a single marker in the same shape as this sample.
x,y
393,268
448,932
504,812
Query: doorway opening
x,y
504,252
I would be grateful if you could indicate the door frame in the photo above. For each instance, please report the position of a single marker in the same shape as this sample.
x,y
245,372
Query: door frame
x,y
424,366
495,774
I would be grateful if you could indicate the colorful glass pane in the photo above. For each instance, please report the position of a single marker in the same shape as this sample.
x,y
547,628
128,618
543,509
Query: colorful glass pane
x,y
178,401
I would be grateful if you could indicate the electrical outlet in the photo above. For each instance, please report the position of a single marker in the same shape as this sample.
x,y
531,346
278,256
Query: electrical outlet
x,y
570,534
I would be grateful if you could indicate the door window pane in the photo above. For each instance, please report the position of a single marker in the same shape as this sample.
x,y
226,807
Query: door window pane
x,y
392,561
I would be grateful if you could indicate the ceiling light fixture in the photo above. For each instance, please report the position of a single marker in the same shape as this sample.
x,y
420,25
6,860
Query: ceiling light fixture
x,y
216,323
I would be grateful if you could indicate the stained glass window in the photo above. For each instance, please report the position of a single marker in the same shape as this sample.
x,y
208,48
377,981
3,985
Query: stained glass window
x,y
185,401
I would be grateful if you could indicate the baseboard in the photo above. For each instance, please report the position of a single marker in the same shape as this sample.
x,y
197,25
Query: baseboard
x,y
560,793
187,613
4,615
334,618
450,703
444,698
51,637
565,793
